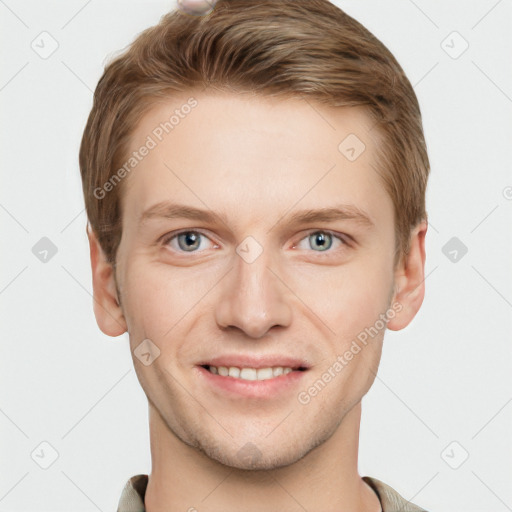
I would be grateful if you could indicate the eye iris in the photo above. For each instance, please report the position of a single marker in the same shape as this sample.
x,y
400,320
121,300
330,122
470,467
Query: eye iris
x,y
189,236
321,239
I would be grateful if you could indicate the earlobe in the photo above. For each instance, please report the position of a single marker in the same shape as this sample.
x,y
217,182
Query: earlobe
x,y
410,280
107,310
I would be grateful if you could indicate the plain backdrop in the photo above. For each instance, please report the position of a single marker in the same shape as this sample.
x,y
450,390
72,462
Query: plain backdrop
x,y
437,424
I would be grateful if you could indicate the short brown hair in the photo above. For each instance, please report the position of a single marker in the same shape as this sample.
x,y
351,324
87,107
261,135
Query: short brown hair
x,y
288,48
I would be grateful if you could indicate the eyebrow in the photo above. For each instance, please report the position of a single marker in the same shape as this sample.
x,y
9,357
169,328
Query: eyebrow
x,y
168,210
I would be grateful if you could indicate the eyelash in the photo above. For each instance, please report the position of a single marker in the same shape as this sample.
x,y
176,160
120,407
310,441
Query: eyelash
x,y
342,238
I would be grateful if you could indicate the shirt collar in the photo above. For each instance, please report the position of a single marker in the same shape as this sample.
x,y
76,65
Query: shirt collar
x,y
132,497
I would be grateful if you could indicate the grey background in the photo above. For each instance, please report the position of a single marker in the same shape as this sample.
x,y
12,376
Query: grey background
x,y
444,388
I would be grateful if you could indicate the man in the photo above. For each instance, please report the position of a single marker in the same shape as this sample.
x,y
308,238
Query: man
x,y
255,181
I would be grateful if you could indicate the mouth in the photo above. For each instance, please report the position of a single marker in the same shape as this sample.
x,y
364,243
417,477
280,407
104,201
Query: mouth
x,y
255,376
252,374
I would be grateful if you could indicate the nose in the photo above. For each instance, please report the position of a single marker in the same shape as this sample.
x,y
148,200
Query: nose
x,y
253,298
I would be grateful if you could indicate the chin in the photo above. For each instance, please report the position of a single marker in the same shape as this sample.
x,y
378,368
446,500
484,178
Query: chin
x,y
252,456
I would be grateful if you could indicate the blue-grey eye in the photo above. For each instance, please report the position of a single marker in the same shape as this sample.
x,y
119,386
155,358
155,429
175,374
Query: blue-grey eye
x,y
189,240
321,239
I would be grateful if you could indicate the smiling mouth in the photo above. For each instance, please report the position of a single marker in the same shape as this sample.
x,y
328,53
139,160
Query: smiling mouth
x,y
252,374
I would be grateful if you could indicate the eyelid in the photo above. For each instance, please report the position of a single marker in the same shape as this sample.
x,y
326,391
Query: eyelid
x,y
343,238
166,239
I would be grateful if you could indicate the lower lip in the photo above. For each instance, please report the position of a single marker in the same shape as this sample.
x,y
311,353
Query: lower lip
x,y
267,388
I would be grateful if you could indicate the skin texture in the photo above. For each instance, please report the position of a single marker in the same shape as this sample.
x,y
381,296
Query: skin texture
x,y
256,161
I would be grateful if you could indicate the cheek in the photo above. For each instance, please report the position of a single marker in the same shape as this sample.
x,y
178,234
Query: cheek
x,y
349,297
147,303
159,301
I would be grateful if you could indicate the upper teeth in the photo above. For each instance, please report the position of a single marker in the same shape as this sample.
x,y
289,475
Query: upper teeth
x,y
250,373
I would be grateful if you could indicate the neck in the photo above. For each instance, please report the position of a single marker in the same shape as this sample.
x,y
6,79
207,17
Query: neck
x,y
184,479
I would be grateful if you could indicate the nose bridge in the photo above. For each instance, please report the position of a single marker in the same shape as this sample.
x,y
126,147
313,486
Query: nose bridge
x,y
253,299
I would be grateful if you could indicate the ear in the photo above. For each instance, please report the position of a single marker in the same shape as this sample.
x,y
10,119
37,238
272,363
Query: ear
x,y
107,310
410,280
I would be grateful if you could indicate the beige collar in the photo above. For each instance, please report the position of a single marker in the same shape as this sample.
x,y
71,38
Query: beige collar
x,y
132,497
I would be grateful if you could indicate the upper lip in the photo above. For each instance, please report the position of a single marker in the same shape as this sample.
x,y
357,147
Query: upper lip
x,y
246,361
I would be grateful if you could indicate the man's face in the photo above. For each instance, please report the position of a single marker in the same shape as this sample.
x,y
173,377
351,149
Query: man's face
x,y
252,288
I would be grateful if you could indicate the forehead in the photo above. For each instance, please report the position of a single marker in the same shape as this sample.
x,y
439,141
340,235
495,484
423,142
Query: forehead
x,y
229,152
